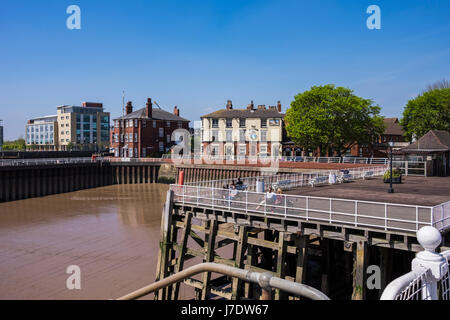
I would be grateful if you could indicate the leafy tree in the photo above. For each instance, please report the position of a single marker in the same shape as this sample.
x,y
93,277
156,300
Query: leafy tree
x,y
428,111
18,144
332,118
440,84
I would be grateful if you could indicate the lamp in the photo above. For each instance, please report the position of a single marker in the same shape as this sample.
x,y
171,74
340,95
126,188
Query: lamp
x,y
390,190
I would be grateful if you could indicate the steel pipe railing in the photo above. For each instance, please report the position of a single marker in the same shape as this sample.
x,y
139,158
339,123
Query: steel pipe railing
x,y
265,280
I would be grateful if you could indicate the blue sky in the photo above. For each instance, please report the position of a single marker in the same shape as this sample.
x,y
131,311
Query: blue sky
x,y
198,54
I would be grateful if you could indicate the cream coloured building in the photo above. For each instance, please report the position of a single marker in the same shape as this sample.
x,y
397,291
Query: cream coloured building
x,y
235,133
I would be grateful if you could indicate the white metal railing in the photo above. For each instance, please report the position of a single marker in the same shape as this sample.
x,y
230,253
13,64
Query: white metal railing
x,y
355,213
344,159
47,161
411,168
293,180
429,276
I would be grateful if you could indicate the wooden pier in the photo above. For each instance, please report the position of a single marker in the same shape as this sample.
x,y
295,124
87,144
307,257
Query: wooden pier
x,y
331,258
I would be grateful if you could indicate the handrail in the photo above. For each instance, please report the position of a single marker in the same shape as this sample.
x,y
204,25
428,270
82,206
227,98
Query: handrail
x,y
394,289
430,270
265,280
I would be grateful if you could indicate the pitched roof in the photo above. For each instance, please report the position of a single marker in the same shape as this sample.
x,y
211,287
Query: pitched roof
x,y
393,127
433,140
157,114
245,113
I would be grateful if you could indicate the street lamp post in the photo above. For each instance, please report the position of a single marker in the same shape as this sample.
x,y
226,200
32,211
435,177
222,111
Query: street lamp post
x,y
390,190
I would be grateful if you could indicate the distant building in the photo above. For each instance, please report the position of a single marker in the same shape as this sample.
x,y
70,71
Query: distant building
x,y
145,132
1,134
42,133
85,127
235,133
434,146
393,132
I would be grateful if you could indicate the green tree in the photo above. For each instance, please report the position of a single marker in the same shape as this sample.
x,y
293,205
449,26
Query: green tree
x,y
428,111
332,119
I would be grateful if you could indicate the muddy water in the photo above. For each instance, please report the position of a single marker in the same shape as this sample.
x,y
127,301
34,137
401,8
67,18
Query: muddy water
x,y
111,233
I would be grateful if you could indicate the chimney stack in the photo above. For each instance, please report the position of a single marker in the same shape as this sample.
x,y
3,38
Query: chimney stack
x,y
176,111
279,106
129,108
250,106
229,105
149,108
262,107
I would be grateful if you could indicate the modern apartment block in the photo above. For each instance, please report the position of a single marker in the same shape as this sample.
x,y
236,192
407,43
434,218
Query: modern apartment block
x,y
42,133
85,127
73,127
147,131
235,133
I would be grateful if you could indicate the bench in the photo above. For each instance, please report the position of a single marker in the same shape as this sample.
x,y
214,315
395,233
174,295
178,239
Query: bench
x,y
318,180
241,187
281,184
344,177
367,174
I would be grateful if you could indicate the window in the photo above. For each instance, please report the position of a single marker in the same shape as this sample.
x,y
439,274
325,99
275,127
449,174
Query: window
x,y
136,153
215,123
180,125
242,123
144,123
67,132
161,132
168,138
241,135
161,146
116,124
135,123
215,135
126,137
130,152
62,132
154,124
144,153
130,137
229,123
263,148
263,136
62,117
121,138
167,123
229,135
135,137
263,123
274,122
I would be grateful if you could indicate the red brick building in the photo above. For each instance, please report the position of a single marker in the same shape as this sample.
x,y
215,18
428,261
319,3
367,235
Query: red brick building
x,y
145,132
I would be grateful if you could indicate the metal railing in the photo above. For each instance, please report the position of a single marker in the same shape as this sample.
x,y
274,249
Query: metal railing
x,y
360,160
265,280
48,161
429,278
355,213
293,180
411,168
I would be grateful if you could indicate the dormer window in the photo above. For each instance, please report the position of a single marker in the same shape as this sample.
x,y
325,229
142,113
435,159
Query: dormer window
x,y
215,123
229,123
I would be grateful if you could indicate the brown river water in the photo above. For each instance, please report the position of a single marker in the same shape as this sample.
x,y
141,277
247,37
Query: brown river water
x,y
112,233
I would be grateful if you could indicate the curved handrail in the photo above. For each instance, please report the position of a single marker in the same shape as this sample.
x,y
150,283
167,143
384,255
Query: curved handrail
x,y
265,280
396,287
